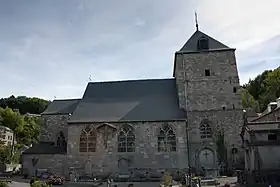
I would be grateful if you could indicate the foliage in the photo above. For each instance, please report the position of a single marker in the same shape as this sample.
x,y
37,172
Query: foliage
x,y
221,148
9,156
3,184
166,179
26,128
25,104
264,89
248,100
37,183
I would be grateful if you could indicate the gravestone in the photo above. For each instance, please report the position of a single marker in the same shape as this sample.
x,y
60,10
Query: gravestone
x,y
206,158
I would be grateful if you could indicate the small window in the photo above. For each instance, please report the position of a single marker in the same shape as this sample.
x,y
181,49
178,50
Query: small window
x,y
278,118
207,72
234,89
272,136
233,106
224,107
203,44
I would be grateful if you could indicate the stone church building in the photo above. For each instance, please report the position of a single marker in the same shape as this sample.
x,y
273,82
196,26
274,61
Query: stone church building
x,y
153,124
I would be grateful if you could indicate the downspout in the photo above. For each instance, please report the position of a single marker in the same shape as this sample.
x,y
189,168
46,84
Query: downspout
x,y
188,153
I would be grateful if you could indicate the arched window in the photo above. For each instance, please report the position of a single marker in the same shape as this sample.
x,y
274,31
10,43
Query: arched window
x,y
205,129
61,142
88,140
126,139
166,139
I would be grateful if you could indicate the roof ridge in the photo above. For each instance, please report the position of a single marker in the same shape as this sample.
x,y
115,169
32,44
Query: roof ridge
x,y
66,99
131,80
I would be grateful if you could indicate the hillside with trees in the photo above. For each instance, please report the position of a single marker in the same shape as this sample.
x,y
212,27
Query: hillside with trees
x,y
14,114
262,90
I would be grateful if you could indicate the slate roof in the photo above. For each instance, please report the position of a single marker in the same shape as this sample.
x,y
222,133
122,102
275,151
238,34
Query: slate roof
x,y
191,44
260,126
66,106
44,148
133,100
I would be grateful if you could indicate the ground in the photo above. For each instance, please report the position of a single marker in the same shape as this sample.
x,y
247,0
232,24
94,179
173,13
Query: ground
x,y
19,182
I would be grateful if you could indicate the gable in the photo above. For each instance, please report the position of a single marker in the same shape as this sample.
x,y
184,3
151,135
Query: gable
x,y
192,44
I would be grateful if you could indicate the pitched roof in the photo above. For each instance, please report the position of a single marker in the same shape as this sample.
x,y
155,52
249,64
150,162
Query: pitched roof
x,y
44,148
133,100
66,106
191,44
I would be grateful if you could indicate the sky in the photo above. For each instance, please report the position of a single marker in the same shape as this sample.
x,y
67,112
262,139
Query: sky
x,y
51,49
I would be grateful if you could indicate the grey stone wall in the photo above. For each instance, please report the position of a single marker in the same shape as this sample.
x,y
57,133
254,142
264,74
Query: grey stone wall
x,y
145,155
210,97
208,92
57,164
52,125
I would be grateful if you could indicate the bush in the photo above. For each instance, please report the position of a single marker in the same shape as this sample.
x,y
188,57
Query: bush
x,y
3,184
39,184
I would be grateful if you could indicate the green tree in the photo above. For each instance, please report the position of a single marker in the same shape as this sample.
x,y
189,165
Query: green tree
x,y
25,104
264,89
248,100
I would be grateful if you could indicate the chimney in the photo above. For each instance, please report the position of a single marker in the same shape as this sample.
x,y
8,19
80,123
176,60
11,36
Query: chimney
x,y
278,102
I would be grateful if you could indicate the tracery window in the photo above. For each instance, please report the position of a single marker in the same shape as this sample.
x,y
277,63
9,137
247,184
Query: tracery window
x,y
166,139
205,129
88,140
126,139
61,142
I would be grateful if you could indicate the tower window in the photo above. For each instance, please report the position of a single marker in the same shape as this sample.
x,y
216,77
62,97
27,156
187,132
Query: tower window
x,y
203,44
233,106
234,89
272,137
207,72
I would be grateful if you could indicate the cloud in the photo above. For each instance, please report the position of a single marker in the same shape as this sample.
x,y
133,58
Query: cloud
x,y
50,48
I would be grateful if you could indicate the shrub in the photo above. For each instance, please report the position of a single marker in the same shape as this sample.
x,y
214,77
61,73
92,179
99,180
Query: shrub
x,y
39,184
3,184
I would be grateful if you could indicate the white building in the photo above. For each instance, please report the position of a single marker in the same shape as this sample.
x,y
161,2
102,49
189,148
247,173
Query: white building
x,y
6,135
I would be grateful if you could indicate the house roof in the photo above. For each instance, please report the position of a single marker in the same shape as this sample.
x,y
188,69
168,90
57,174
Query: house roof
x,y
265,113
133,100
66,106
261,126
191,44
44,148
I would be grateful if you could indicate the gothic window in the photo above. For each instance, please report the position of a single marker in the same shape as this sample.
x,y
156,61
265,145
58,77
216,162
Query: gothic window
x,y
205,129
203,44
166,139
234,153
88,140
126,139
61,142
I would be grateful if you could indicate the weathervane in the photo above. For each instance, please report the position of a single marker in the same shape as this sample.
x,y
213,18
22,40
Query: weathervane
x,y
196,22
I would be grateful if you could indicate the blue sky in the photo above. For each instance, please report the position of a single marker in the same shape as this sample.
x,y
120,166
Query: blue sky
x,y
49,48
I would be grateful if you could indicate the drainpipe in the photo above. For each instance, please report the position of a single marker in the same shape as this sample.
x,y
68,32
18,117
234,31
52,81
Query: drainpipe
x,y
188,150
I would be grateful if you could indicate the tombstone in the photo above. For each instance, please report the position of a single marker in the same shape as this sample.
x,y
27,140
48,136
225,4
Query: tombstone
x,y
88,167
206,158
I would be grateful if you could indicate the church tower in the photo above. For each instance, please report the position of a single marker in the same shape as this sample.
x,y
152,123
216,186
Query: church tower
x,y
208,89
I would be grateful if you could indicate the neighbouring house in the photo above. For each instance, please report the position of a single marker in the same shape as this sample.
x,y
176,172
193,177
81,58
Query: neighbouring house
x,y
261,142
272,113
6,136
148,125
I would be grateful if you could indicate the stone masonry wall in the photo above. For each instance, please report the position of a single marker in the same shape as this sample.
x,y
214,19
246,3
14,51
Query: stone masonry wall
x,y
57,164
208,92
145,155
210,97
52,125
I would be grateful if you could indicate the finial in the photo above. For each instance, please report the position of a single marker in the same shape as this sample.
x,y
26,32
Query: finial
x,y
89,79
196,22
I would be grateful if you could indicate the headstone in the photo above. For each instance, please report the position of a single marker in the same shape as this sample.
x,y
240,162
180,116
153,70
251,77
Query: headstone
x,y
206,158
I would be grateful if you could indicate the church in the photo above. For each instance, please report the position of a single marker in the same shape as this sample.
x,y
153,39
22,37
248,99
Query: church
x,y
174,124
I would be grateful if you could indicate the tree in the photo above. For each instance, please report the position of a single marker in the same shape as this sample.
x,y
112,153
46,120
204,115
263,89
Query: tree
x,y
264,89
26,128
248,100
25,104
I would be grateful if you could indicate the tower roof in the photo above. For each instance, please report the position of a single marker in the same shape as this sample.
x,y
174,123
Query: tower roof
x,y
191,44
